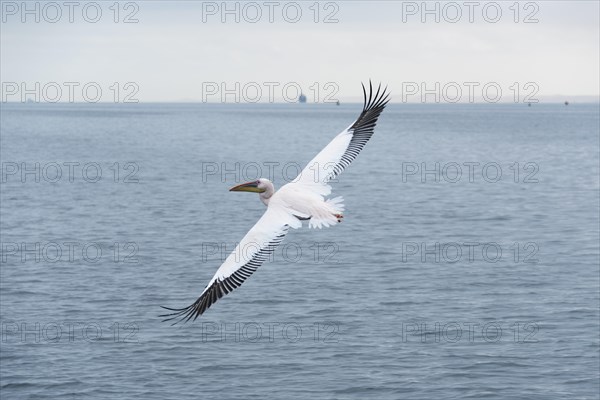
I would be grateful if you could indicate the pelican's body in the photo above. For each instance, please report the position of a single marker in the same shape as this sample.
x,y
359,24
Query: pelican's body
x,y
299,202
303,199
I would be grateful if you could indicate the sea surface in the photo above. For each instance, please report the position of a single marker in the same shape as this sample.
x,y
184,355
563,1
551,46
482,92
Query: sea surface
x,y
467,264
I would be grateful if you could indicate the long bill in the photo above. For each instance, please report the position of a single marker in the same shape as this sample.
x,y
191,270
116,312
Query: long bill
x,y
248,187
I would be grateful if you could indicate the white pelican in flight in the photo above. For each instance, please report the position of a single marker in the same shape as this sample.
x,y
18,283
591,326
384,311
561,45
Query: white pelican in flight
x,y
300,200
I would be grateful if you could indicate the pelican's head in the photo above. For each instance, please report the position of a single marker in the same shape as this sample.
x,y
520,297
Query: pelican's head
x,y
259,186
263,186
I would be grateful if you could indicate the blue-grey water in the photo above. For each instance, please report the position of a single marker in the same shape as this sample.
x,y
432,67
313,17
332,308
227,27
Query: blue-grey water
x,y
467,265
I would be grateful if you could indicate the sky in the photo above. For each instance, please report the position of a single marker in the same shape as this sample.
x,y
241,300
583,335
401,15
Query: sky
x,y
268,51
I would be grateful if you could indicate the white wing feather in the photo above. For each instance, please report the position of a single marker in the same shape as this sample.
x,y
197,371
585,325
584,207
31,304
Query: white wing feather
x,y
332,160
256,247
344,148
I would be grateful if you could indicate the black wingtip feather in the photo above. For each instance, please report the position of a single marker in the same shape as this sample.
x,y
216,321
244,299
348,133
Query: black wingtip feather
x,y
375,99
362,129
221,287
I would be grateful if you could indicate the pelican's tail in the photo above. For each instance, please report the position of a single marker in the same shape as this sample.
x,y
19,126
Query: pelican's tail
x,y
337,203
327,215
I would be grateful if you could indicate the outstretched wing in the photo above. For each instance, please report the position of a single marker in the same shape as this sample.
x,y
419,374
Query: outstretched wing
x,y
344,148
249,254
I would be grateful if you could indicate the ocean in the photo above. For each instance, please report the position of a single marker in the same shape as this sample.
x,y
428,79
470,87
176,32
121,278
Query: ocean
x,y
467,264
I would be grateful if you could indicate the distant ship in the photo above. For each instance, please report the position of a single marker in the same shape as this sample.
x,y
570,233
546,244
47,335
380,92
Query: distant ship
x,y
337,103
302,98
566,103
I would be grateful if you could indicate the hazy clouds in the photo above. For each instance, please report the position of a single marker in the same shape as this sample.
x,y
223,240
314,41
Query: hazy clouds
x,y
176,48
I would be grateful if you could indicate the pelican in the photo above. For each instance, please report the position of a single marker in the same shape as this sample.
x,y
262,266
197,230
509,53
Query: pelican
x,y
303,199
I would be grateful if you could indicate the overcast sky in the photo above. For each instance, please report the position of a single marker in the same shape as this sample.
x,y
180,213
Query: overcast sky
x,y
183,51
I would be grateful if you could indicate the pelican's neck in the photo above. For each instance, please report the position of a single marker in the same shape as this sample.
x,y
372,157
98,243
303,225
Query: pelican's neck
x,y
266,195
